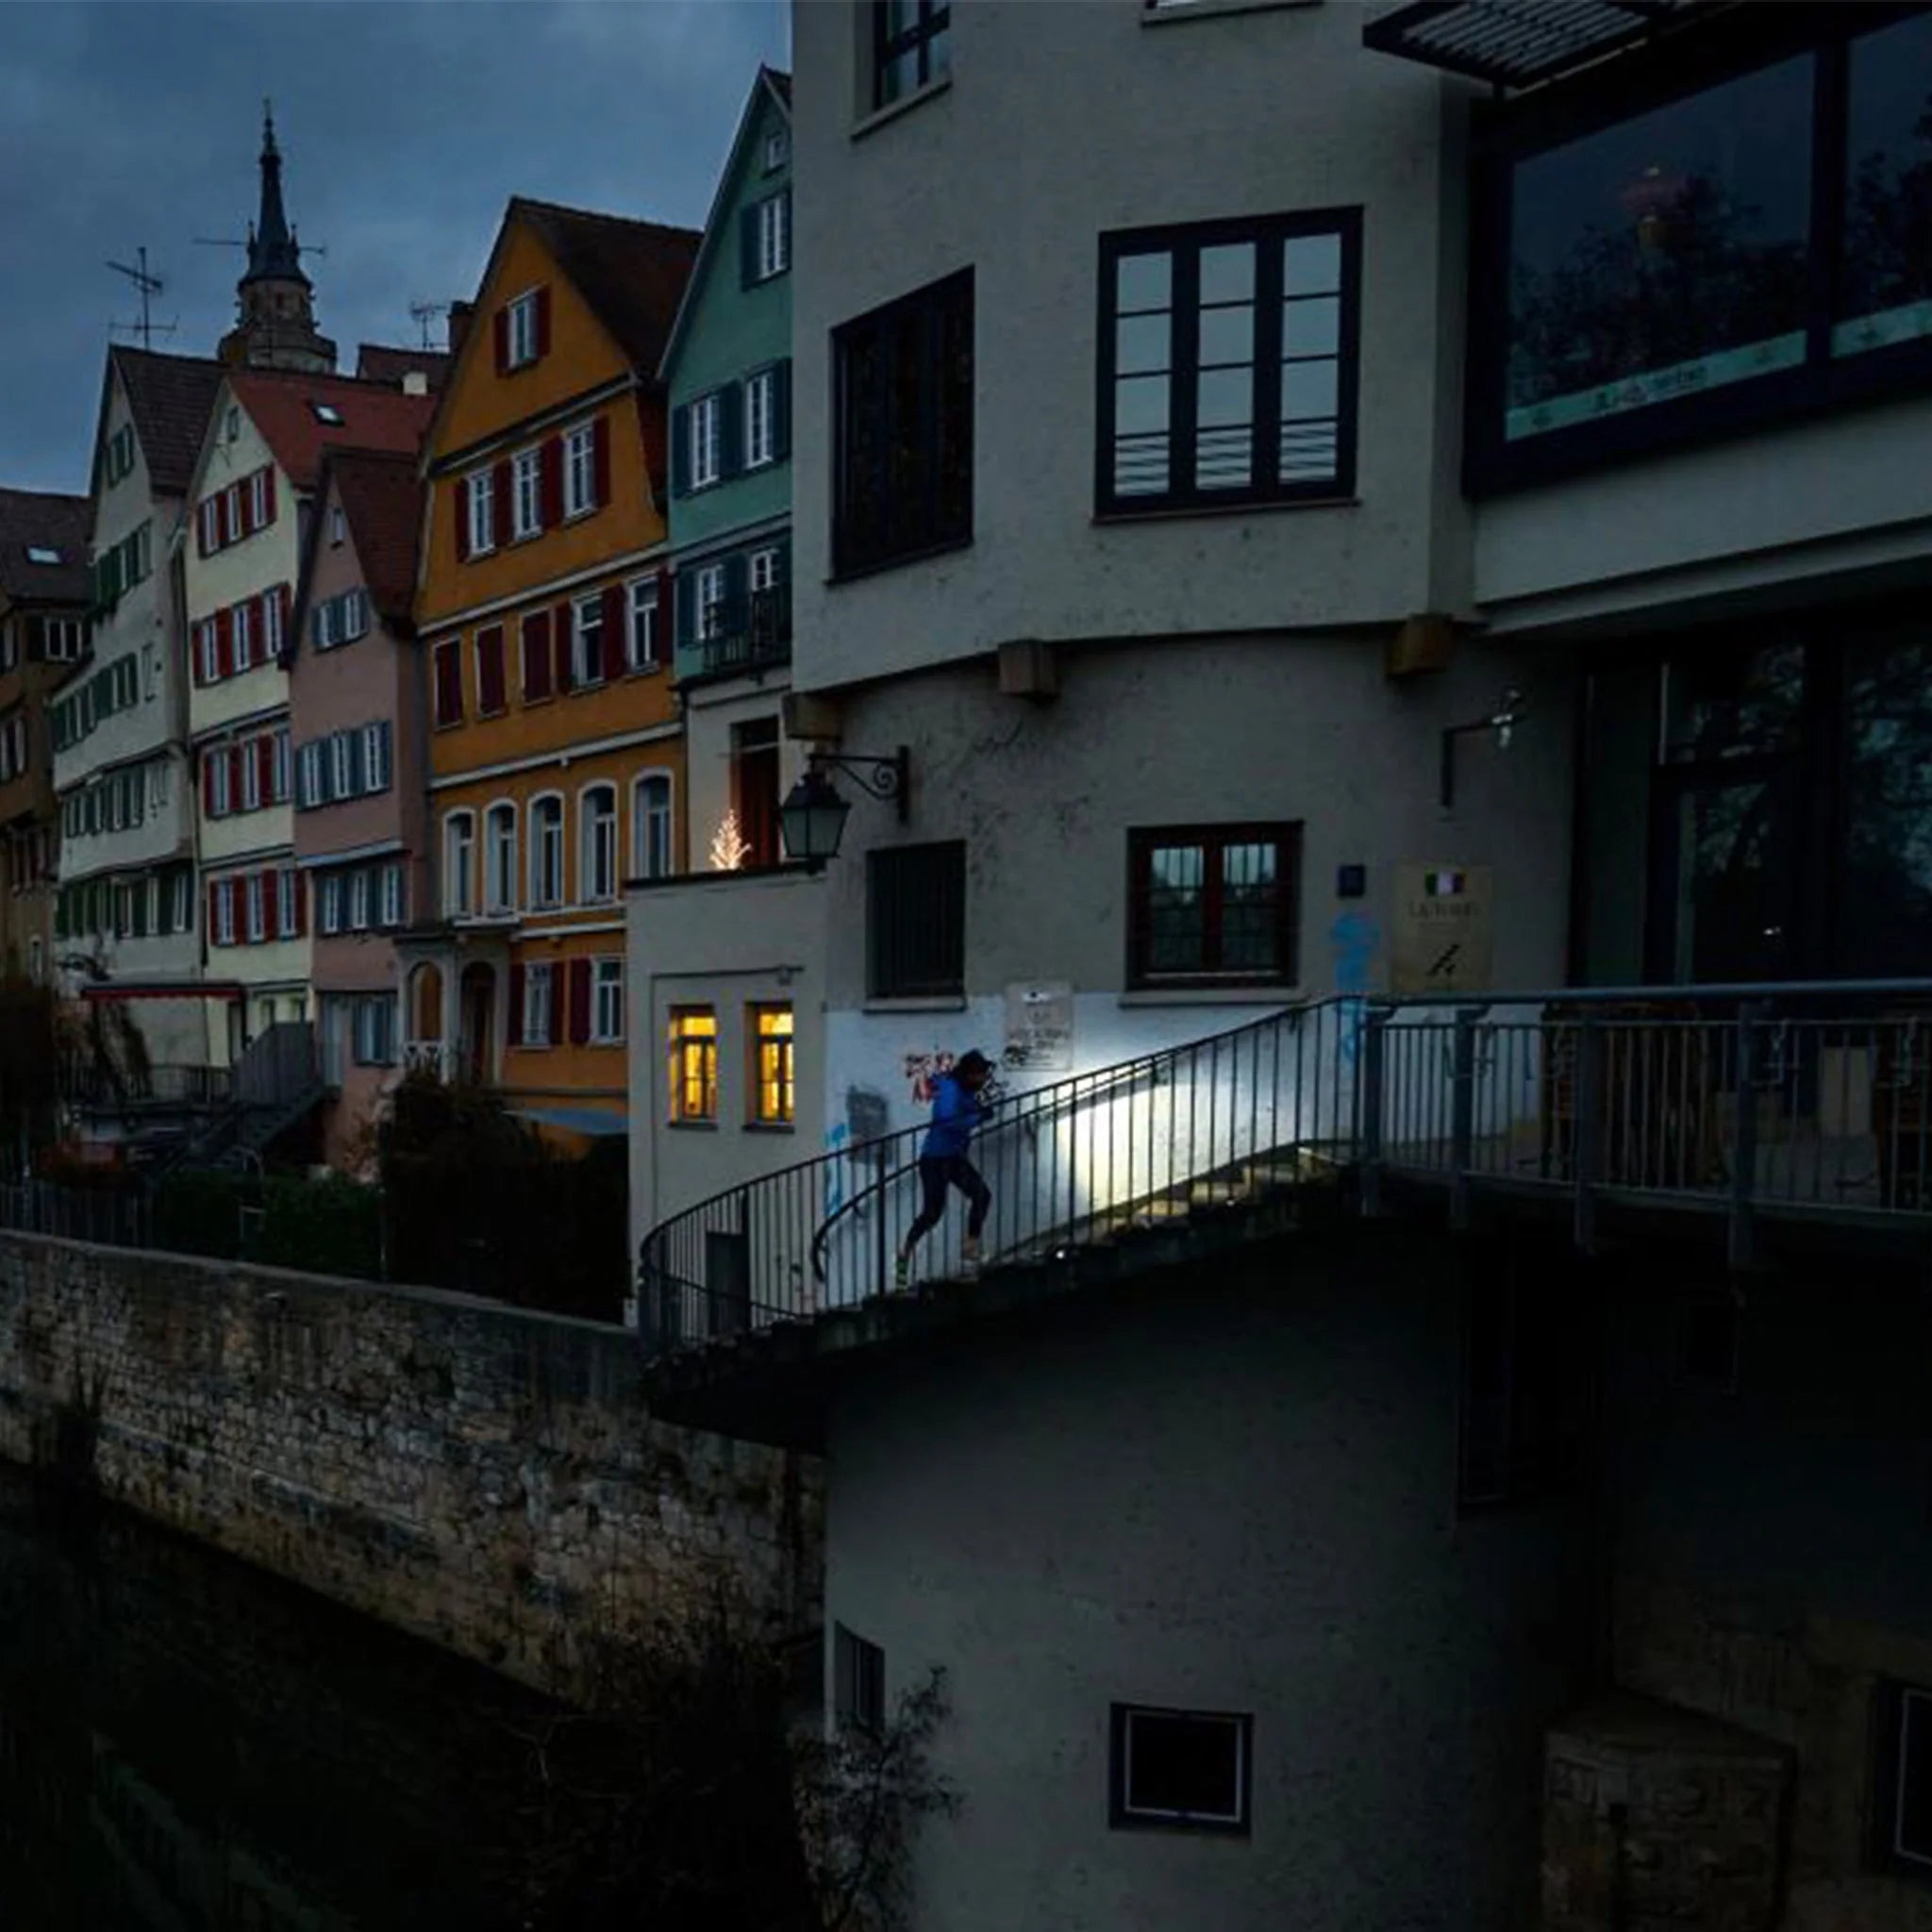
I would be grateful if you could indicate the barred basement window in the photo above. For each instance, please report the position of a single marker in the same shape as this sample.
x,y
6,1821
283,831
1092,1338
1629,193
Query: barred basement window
x,y
858,1681
1213,905
916,920
1185,1770
1902,1783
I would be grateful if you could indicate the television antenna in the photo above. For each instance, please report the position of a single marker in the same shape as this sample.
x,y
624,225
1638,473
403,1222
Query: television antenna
x,y
424,314
150,285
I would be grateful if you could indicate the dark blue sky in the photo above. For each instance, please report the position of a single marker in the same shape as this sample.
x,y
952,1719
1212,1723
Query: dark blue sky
x,y
405,126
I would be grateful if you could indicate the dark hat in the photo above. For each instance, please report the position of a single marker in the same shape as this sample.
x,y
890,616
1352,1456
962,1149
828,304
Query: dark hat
x,y
973,1062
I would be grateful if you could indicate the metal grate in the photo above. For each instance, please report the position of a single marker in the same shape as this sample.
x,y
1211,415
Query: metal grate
x,y
1517,42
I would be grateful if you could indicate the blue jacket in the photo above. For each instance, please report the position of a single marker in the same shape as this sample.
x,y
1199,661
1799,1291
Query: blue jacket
x,y
956,1112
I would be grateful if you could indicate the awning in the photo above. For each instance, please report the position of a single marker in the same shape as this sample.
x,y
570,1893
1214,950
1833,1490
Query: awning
x,y
588,1121
1517,42
164,990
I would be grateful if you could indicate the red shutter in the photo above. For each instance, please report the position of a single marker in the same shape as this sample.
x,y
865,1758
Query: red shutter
x,y
490,691
246,506
537,682
201,527
613,633
208,783
459,502
301,904
550,482
600,460
515,1015
561,641
499,504
543,320
579,1001
502,320
231,513
234,757
285,596
268,495
259,623
225,644
238,907
449,682
271,907
265,767
214,917
663,624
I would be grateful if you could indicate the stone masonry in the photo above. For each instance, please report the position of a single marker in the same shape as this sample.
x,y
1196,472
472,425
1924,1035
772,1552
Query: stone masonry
x,y
479,1474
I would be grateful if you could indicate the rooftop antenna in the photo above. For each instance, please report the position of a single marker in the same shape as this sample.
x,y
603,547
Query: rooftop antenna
x,y
424,314
149,285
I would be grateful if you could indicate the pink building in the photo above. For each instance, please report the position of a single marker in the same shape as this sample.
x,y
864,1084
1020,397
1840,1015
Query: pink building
x,y
360,767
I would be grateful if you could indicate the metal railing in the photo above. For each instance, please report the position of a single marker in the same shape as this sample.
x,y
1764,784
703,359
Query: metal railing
x,y
762,638
1747,1102
109,1089
116,1218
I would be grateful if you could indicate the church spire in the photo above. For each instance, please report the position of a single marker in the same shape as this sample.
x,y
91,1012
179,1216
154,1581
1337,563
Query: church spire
x,y
276,325
271,252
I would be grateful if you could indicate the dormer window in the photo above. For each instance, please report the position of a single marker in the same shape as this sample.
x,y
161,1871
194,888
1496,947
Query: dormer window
x,y
40,553
326,413
522,330
234,425
337,526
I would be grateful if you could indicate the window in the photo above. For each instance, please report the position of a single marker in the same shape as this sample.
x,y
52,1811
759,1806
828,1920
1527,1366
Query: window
x,y
765,571
500,860
482,510
641,603
910,47
774,236
328,414
216,766
250,777
587,640
1180,1769
1227,360
271,608
707,437
651,827
375,1029
903,412
777,150
244,617
1718,254
449,682
310,774
694,1069
331,895
65,639
916,920
760,427
858,1681
287,904
546,853
527,492
258,908
597,825
341,763
522,329
1902,1789
770,1054
257,500
459,864
606,1001
375,757
579,470
537,1004
393,892
1213,905
223,895
337,526
711,589
182,914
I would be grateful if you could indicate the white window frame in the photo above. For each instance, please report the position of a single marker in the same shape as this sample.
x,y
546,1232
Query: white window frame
x,y
459,864
607,1000
309,774
271,622
774,235
586,658
706,424
597,871
250,777
641,623
278,766
522,329
337,526
220,801
359,899
393,892
761,571
258,499
500,816
760,419
540,831
258,908
527,493
341,765
354,614
376,771
581,469
243,622
224,915
653,800
708,622
329,903
480,508
285,902
184,900
540,1005
777,150
209,646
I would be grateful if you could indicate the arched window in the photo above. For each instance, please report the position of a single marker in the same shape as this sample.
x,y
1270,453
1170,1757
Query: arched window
x,y
546,852
651,826
500,874
597,832
459,864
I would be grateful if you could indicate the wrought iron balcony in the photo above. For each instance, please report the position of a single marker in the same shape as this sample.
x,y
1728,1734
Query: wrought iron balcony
x,y
97,1087
759,641
1754,1107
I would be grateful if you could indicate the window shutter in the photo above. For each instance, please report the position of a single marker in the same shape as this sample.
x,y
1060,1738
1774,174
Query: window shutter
x,y
600,461
265,767
225,644
579,1001
550,482
499,504
543,320
268,493
737,594
214,917
359,766
301,904
490,693
233,755
663,618
515,1015
685,588
781,410
238,907
731,429
258,624
681,450
613,633
284,597
247,503
501,325
201,529
561,639
208,783
460,497
537,654
748,247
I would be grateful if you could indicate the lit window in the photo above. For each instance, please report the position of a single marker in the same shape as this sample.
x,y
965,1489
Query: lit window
x,y
581,469
693,1063
606,1004
771,1043
40,553
527,493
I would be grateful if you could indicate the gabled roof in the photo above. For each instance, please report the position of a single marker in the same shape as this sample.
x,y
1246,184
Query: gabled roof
x,y
170,399
382,502
632,274
282,403
382,362
770,85
39,519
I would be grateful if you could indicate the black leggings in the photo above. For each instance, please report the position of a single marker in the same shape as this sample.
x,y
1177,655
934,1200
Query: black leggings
x,y
936,1172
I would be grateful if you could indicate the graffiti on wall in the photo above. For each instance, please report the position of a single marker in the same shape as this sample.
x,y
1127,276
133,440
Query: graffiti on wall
x,y
1353,940
923,1072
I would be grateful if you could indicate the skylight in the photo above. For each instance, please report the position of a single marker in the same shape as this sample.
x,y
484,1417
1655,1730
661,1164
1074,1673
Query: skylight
x,y
39,553
327,412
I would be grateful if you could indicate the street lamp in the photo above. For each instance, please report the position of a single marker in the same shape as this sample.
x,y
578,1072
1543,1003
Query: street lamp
x,y
811,821
1503,721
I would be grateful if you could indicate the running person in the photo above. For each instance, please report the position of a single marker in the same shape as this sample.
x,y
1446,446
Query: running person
x,y
957,1111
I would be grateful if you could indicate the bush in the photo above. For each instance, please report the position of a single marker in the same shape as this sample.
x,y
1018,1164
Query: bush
x,y
327,1227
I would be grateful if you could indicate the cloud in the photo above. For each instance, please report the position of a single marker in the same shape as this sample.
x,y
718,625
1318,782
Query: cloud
x,y
405,126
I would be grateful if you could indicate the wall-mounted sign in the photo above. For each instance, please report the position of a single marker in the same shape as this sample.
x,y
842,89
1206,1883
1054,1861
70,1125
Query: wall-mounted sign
x,y
1040,1027
1443,929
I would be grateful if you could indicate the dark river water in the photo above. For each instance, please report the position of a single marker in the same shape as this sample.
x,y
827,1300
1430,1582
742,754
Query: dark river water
x,y
186,1744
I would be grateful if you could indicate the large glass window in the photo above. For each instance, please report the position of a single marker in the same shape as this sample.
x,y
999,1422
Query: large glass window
x,y
692,1070
1885,292
911,47
1227,363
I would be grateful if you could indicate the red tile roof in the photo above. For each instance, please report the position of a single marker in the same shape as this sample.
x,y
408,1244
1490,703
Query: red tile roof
x,y
383,362
169,397
382,500
632,274
282,403
38,520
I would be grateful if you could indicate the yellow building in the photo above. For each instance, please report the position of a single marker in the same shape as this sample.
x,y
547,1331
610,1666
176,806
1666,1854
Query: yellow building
x,y
555,749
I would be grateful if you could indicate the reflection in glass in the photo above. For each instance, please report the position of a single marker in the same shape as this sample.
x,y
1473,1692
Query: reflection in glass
x,y
1249,925
1312,265
1887,291
1177,921
1146,281
1736,858
1885,883
1737,703
1663,255
1142,344
1227,272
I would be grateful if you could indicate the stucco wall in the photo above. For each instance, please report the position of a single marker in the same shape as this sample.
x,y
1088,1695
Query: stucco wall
x,y
1229,1495
479,1475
